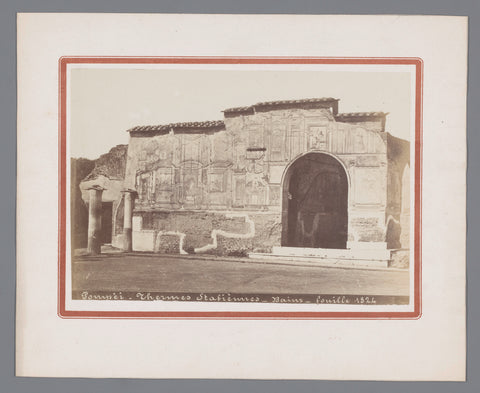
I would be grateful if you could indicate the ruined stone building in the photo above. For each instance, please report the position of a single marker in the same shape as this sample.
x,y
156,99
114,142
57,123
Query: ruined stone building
x,y
269,177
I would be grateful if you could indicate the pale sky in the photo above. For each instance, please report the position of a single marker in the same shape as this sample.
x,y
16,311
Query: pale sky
x,y
106,102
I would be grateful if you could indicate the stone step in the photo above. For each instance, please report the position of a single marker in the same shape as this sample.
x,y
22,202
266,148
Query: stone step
x,y
316,261
332,253
326,257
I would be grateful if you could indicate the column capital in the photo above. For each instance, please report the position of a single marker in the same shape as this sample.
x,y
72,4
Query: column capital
x,y
96,187
130,191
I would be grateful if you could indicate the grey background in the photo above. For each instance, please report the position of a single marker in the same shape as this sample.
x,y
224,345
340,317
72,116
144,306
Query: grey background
x,y
8,9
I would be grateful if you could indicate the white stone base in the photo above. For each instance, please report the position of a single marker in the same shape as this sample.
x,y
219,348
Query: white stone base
x,y
143,240
117,241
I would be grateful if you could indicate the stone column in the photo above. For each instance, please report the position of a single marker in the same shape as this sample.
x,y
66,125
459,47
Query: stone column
x,y
94,219
129,204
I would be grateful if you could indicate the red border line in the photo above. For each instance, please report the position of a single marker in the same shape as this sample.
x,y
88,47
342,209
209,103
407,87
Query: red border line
x,y
63,313
62,185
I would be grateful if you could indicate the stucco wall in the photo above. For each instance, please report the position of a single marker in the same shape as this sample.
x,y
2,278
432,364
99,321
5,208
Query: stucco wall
x,y
196,173
215,170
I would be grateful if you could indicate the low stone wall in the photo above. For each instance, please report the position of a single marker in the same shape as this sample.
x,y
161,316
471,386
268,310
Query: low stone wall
x,y
167,243
268,232
230,233
233,246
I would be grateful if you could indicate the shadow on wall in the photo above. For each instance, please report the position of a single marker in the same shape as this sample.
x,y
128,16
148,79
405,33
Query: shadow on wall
x,y
79,169
393,234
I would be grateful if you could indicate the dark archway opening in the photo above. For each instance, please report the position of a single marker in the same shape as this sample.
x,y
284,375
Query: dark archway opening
x,y
315,203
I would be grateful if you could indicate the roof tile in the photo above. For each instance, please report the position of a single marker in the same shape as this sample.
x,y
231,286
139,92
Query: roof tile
x,y
184,125
361,114
280,103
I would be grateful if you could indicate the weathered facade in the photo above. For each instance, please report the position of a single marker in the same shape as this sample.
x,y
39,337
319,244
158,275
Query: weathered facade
x,y
275,174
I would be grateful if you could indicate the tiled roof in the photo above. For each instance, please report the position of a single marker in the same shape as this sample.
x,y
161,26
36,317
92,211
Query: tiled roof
x,y
214,124
289,103
361,114
220,124
239,109
302,101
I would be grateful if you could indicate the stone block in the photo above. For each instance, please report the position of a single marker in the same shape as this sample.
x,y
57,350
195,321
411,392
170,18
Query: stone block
x,y
143,240
137,223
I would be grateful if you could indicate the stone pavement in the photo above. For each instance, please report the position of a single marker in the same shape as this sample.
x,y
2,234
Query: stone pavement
x,y
190,273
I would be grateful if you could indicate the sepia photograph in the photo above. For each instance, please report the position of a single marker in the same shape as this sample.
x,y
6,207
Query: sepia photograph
x,y
251,197
267,184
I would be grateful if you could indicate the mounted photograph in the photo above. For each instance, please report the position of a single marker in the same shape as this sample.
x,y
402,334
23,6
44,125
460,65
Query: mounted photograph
x,y
241,197
241,188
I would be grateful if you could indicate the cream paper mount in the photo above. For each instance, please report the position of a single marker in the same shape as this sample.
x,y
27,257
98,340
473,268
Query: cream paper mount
x,y
301,193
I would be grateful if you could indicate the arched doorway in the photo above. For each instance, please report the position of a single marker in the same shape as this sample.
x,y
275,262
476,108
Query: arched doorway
x,y
315,203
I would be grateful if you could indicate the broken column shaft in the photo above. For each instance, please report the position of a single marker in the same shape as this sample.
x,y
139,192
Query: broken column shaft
x,y
129,203
94,219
